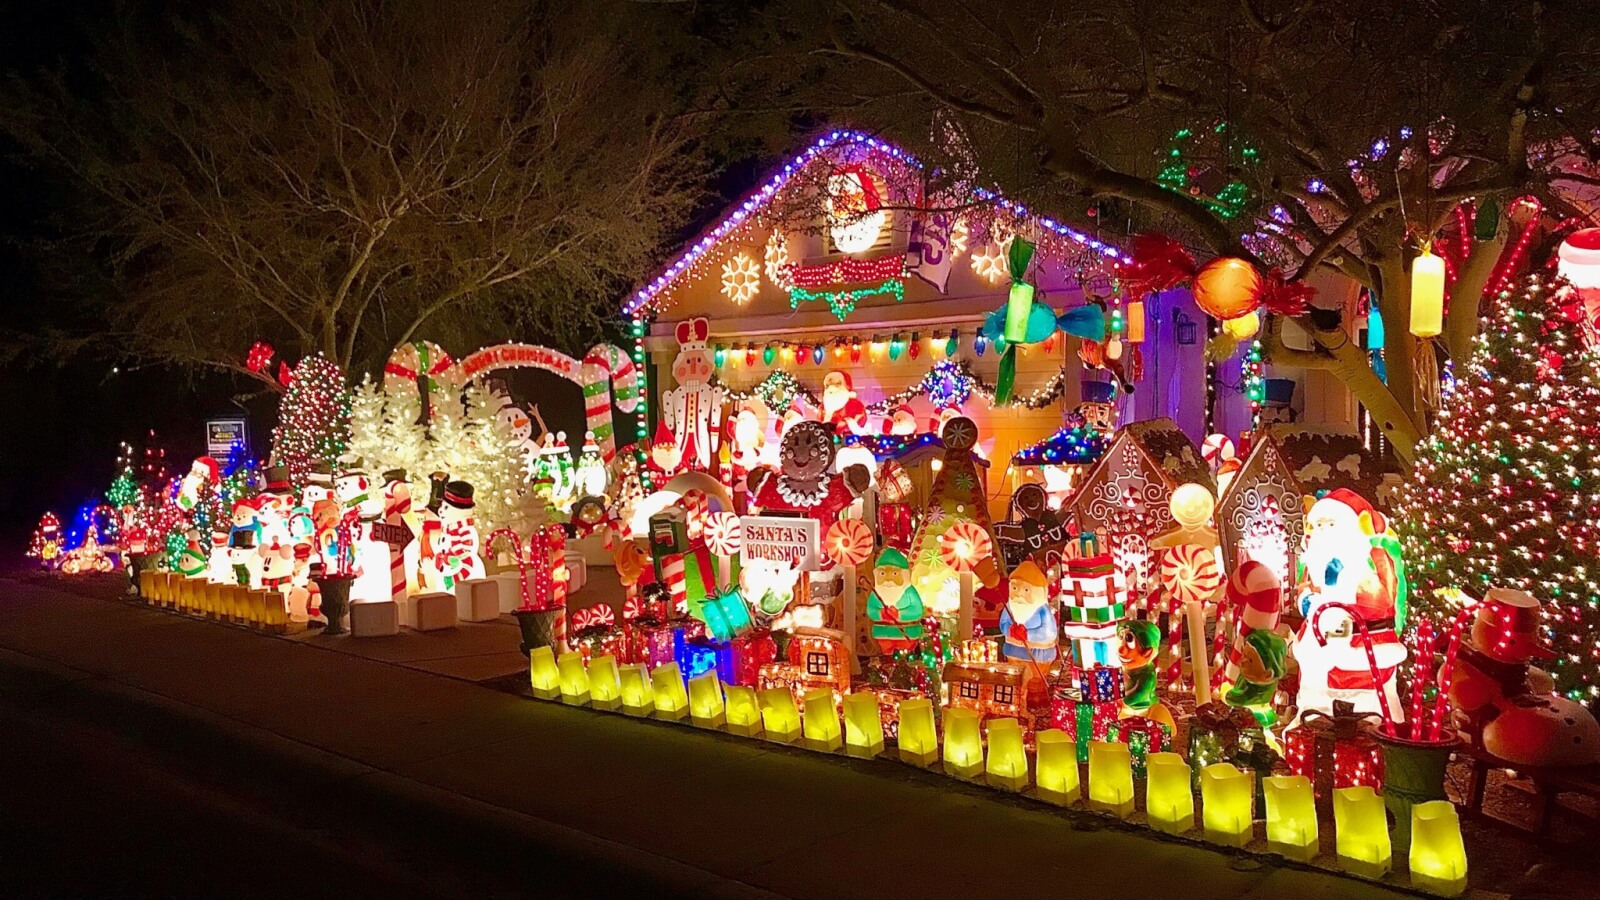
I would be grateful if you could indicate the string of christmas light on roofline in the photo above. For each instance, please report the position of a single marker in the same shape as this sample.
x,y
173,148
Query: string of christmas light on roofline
x,y
644,298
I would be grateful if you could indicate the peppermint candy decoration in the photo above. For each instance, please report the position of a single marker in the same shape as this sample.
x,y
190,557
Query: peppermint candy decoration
x,y
1217,449
1189,572
723,533
849,542
598,616
963,544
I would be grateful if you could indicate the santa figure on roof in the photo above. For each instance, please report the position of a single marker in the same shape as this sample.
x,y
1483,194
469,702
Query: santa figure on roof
x,y
1352,592
840,406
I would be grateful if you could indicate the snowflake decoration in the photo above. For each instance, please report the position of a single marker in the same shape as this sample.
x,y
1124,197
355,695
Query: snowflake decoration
x,y
958,238
775,261
740,278
991,262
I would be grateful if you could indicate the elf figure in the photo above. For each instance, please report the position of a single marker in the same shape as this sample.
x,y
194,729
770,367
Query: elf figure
x,y
693,409
840,406
456,556
1140,645
1261,664
894,607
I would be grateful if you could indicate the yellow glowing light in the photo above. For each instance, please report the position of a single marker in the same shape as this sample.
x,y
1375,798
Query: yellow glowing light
x,y
1057,765
1168,797
820,726
774,260
1361,831
1291,816
742,709
637,696
1227,796
1007,763
605,688
705,699
1110,778
779,716
1438,856
863,727
1427,294
963,742
919,736
958,238
671,698
741,278
1192,505
574,679
992,262
543,673
1243,327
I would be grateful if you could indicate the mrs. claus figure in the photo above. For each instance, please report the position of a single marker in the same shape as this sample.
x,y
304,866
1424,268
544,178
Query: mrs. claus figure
x,y
1351,578
693,409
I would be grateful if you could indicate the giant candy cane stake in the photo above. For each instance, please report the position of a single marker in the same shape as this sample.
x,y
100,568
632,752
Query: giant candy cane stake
x,y
1447,671
394,514
608,372
1421,671
517,556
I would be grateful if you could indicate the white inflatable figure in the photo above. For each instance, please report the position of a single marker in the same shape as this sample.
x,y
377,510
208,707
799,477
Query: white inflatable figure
x,y
558,463
693,409
519,431
202,471
276,545
591,475
748,435
243,540
219,565
840,406
456,555
355,490
1352,572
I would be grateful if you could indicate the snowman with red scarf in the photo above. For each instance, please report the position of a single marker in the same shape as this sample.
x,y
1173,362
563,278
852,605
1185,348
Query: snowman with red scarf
x,y
693,409
1351,592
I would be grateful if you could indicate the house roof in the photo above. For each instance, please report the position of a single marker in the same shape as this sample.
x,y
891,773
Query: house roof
x,y
1265,473
1326,459
1173,452
983,673
753,204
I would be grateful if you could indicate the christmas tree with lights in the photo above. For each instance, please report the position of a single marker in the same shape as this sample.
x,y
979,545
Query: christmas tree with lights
x,y
313,419
1505,491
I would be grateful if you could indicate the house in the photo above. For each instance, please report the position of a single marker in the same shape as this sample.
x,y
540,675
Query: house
x,y
994,689
817,658
1261,513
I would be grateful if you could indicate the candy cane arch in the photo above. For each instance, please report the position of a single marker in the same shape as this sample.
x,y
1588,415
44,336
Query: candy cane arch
x,y
607,375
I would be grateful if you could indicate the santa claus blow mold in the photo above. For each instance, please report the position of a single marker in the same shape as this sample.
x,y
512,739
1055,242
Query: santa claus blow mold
x,y
1352,593
840,406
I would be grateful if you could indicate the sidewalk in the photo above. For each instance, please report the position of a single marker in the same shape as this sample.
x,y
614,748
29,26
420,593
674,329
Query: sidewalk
x,y
711,814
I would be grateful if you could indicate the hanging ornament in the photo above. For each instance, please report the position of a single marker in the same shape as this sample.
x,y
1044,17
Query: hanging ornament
x,y
1242,327
1227,288
816,354
1427,321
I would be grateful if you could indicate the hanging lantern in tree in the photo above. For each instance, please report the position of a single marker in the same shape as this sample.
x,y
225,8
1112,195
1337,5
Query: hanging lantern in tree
x,y
1427,294
1227,287
1135,321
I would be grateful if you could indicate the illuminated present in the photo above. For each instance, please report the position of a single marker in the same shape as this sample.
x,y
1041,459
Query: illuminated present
x,y
1143,737
1361,831
863,725
1110,778
1099,684
705,700
1006,764
963,742
750,652
991,688
574,679
1222,733
1228,798
543,673
1084,720
599,640
1438,857
696,656
1334,751
638,697
742,709
1057,767
725,614
1291,817
1093,602
780,717
820,724
661,643
605,685
1168,798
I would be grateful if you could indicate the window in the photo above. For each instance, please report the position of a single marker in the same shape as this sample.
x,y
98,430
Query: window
x,y
817,663
968,690
1005,693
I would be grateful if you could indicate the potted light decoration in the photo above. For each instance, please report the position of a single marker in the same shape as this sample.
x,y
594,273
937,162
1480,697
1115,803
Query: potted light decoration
x,y
335,576
542,575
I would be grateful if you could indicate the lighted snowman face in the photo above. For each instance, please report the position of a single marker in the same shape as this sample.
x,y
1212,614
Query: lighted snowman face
x,y
854,222
517,424
1192,505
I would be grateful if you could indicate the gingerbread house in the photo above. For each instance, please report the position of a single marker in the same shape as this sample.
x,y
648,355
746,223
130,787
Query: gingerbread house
x,y
1261,513
1324,459
994,689
817,658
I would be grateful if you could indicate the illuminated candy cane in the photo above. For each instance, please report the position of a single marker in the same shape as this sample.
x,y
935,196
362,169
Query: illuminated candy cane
x,y
608,374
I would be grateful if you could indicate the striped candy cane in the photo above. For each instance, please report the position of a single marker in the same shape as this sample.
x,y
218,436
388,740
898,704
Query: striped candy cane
x,y
396,505
608,374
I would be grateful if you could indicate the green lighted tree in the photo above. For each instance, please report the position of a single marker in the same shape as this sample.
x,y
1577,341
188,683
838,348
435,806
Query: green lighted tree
x,y
1505,492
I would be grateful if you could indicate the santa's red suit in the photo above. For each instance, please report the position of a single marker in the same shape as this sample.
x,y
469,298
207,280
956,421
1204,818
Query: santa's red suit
x,y
1373,599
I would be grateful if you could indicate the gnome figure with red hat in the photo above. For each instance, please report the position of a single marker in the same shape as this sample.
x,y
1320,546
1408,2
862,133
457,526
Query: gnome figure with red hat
x,y
693,409
1352,594
1506,705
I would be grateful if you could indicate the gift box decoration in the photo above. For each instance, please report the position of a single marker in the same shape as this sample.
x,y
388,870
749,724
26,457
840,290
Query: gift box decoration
x,y
750,652
1086,721
1143,736
699,655
1099,684
1222,733
896,524
1093,601
661,643
725,614
1335,751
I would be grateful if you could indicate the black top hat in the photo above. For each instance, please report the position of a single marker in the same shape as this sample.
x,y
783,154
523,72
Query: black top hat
x,y
277,480
321,473
458,494
394,475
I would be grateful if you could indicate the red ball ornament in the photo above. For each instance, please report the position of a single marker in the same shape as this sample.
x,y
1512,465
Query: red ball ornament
x,y
1227,287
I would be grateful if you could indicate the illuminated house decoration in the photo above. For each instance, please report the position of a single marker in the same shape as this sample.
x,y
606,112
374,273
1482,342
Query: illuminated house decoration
x,y
993,689
1261,515
1125,496
818,658
829,234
